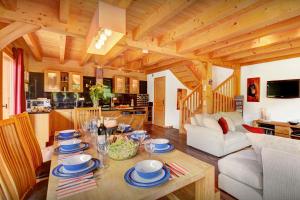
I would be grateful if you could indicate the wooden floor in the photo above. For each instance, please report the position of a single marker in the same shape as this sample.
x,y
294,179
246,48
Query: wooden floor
x,y
179,141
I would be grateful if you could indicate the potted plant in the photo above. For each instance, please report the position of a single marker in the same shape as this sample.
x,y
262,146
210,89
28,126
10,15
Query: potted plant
x,y
96,93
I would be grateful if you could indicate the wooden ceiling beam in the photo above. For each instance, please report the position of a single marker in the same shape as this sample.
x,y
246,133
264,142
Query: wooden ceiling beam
x,y
62,48
10,4
13,31
259,42
64,11
85,58
114,52
165,67
267,14
132,55
152,58
272,59
263,50
46,18
269,55
34,46
213,14
169,9
124,3
274,28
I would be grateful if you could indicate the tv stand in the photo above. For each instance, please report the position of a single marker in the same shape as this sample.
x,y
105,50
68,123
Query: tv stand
x,y
282,129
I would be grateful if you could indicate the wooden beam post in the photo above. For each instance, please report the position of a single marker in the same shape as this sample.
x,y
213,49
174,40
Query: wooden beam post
x,y
207,104
237,78
62,48
64,11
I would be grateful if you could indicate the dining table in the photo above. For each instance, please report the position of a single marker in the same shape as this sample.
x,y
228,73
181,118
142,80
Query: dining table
x,y
112,186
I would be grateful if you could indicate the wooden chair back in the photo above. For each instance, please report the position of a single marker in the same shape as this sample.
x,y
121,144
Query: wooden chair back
x,y
83,114
31,141
138,121
17,174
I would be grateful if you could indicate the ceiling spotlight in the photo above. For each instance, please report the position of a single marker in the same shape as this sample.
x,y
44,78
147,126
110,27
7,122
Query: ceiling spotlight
x,y
107,32
98,45
103,37
145,51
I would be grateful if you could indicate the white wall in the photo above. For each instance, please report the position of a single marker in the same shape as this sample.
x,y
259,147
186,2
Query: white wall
x,y
220,74
172,84
279,109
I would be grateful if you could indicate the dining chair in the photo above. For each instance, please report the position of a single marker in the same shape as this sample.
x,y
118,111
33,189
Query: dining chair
x,y
81,115
41,168
138,121
17,176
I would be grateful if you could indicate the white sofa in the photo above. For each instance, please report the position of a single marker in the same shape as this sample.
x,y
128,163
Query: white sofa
x,y
269,171
212,140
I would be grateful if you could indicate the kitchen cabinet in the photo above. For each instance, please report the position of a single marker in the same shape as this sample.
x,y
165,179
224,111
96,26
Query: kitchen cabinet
x,y
119,84
41,126
62,119
52,81
134,86
36,85
75,82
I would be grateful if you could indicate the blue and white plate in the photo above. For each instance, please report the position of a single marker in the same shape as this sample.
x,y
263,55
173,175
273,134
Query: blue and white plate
x,y
61,172
135,136
169,148
75,135
132,178
83,146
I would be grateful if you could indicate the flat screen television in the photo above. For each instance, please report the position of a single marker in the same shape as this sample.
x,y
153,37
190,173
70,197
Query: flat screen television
x,y
283,88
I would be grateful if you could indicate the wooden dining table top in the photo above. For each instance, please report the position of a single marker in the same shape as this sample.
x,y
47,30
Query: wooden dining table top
x,y
111,183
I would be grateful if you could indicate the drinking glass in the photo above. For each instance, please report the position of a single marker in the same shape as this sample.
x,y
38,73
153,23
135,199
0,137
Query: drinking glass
x,y
102,147
149,147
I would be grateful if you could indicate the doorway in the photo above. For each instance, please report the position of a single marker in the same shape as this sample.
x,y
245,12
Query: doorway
x,y
7,86
159,101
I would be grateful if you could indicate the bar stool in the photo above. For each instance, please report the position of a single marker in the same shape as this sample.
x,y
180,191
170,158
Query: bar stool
x,y
17,176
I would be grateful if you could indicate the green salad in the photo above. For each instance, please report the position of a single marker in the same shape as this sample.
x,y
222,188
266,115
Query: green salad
x,y
122,149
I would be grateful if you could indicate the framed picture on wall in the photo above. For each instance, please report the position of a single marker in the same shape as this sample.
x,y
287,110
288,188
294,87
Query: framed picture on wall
x,y
253,89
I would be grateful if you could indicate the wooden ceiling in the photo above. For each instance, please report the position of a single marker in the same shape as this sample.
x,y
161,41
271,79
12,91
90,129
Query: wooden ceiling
x,y
229,33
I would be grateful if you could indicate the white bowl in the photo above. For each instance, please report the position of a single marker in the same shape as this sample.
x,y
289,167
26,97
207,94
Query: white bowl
x,y
160,143
70,143
77,162
67,133
148,168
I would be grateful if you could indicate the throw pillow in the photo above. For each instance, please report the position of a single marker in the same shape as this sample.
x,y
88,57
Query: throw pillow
x,y
254,129
211,123
222,122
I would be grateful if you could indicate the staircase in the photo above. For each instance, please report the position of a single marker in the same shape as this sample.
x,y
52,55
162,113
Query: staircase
x,y
188,74
223,95
189,106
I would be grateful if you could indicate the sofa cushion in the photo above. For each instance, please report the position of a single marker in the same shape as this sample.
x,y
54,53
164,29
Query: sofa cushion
x,y
194,121
222,122
230,123
211,123
243,167
236,117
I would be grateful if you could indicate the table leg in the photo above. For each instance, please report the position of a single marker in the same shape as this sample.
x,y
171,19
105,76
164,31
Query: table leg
x,y
205,187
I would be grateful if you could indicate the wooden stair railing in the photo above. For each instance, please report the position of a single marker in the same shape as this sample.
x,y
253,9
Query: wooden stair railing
x,y
190,105
223,95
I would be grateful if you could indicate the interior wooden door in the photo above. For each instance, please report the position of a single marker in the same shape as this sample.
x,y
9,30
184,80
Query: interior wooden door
x,y
7,86
159,101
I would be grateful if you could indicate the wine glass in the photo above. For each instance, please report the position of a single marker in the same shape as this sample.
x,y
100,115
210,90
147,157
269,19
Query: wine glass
x,y
149,147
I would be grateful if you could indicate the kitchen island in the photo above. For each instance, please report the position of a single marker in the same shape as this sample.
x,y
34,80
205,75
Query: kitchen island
x,y
46,123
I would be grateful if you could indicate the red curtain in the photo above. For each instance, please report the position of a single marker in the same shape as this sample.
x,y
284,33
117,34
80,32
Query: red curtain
x,y
19,87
